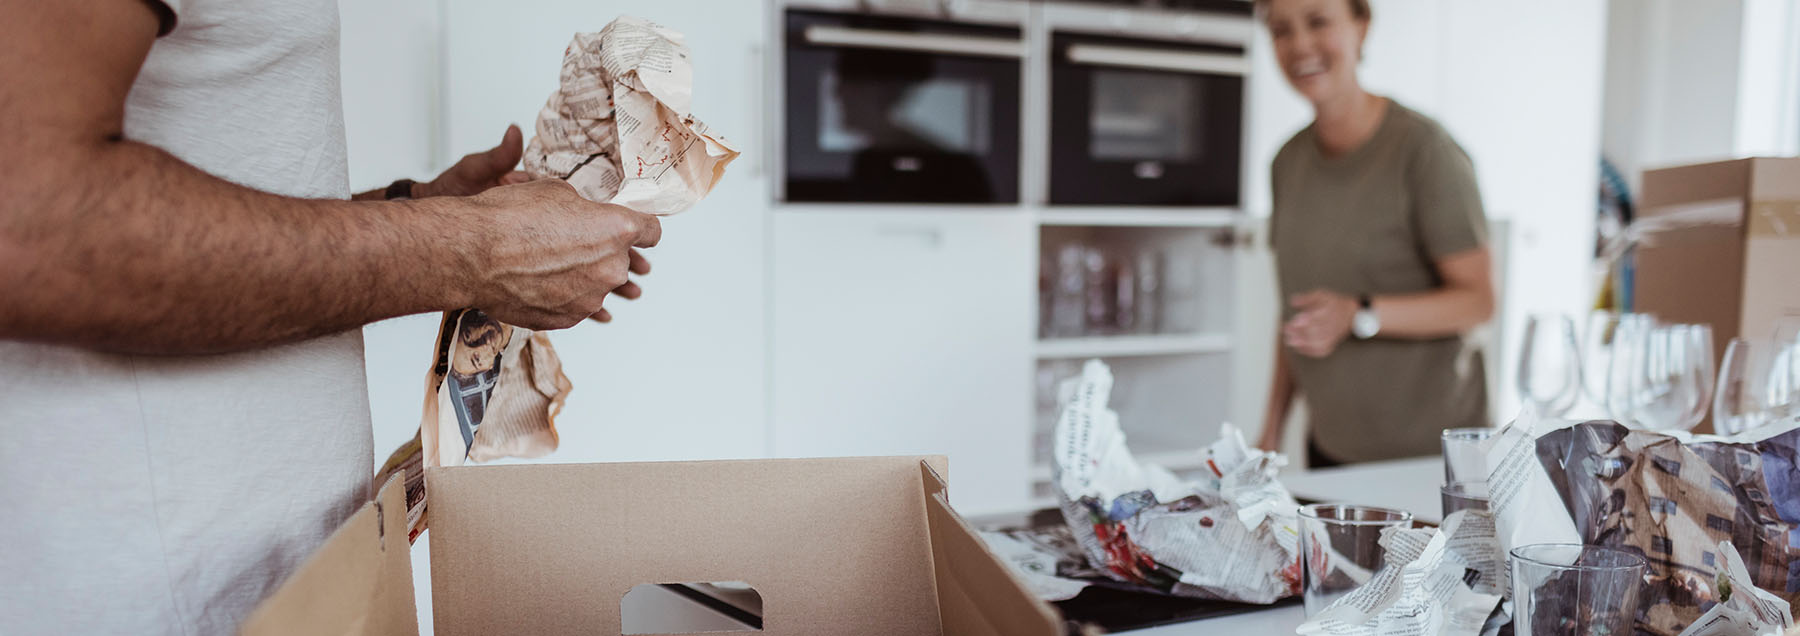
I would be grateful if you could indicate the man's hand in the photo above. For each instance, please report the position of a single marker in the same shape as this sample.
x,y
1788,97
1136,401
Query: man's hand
x,y
475,173
1322,323
545,258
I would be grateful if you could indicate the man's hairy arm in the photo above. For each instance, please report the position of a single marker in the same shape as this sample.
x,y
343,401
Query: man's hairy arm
x,y
116,245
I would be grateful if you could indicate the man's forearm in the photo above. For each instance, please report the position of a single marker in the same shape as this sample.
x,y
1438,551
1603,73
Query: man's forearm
x,y
127,248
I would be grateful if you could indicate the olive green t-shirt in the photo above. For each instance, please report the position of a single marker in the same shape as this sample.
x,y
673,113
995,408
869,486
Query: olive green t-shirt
x,y
1373,221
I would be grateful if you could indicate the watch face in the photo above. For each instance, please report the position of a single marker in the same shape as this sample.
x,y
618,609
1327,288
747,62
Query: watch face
x,y
1365,324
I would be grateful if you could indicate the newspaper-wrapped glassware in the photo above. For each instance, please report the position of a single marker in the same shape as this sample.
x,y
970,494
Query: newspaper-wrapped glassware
x,y
1231,535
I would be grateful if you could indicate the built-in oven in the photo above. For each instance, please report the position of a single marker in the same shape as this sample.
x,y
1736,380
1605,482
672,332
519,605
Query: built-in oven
x,y
1142,121
880,108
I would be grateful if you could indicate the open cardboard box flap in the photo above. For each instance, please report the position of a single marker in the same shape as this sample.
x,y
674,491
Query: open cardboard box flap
x,y
833,546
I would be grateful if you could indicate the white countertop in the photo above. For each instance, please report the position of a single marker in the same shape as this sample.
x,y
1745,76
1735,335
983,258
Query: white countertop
x,y
1407,484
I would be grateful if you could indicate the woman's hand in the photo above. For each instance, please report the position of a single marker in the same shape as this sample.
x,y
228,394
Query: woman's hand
x,y
475,173
1321,324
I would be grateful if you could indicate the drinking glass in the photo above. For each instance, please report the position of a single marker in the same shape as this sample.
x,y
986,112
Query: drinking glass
x,y
1181,291
1673,377
1626,394
1463,461
1759,383
1068,301
1550,364
1472,495
1575,590
1102,291
1149,290
1696,341
1341,546
1596,352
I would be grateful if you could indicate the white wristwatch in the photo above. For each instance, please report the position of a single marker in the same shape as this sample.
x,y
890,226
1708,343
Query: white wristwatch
x,y
1365,324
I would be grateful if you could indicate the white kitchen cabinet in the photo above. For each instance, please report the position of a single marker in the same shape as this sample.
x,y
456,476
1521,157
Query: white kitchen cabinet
x,y
906,331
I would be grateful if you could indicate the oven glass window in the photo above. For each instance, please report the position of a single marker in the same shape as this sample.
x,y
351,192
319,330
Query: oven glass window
x,y
892,112
1142,115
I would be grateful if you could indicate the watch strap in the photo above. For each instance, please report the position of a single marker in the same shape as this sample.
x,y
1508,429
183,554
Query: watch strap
x,y
400,189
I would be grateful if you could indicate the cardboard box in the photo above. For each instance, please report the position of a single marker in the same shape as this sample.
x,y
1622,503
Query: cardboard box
x,y
833,546
1739,275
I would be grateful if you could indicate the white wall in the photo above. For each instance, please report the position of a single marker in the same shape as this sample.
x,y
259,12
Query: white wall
x,y
389,52
1688,82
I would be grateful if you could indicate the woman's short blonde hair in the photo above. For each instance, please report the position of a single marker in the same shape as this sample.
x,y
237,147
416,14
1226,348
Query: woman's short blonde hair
x,y
1358,8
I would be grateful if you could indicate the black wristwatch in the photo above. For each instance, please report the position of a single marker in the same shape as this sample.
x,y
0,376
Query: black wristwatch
x,y
401,189
1365,324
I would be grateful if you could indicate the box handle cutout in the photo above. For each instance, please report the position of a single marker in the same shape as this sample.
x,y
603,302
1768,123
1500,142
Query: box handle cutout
x,y
686,608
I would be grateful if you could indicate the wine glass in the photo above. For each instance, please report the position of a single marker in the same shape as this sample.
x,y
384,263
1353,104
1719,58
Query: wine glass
x,y
1596,350
1550,364
1695,341
1672,383
1624,394
1759,383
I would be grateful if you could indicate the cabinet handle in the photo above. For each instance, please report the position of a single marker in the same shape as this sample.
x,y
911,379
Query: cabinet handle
x,y
921,42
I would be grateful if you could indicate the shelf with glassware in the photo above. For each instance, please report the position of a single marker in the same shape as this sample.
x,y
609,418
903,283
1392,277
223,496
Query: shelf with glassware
x,y
1156,303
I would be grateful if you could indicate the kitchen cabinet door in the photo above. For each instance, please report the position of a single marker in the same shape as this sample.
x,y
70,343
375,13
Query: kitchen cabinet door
x,y
907,332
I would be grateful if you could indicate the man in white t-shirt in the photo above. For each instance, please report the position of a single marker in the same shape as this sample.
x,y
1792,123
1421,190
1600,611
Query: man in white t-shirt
x,y
183,272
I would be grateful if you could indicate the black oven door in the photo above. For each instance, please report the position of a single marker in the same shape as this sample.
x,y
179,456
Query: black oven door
x,y
1144,122
883,109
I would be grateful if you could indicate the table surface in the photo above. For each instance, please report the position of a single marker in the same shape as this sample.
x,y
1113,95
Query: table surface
x,y
1407,484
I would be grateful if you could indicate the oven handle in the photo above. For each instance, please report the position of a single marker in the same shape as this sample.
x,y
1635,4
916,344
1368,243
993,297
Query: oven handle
x,y
1158,59
923,42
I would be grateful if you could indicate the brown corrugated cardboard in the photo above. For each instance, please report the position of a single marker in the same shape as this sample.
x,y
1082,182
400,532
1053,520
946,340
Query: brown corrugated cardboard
x,y
1738,277
359,582
834,546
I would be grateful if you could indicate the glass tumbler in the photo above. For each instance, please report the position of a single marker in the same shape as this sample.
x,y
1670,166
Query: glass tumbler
x,y
1566,589
1341,548
1470,495
1463,462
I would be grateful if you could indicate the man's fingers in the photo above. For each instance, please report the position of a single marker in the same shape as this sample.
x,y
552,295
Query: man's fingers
x,y
515,177
603,317
628,291
503,157
649,231
639,264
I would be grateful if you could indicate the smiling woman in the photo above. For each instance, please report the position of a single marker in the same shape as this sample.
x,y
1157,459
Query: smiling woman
x,y
1380,251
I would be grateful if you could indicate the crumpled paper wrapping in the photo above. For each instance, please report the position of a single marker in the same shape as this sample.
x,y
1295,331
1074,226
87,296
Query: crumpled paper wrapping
x,y
1443,581
1232,536
1673,497
618,127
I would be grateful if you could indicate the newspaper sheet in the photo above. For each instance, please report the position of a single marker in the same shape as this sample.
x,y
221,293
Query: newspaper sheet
x,y
618,128
1050,560
1229,536
1743,609
1436,582
1673,498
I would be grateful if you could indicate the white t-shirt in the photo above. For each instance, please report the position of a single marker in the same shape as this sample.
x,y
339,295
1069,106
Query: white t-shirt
x,y
168,495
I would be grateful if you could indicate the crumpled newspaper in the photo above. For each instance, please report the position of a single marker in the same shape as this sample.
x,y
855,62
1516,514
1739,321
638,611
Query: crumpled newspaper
x,y
1049,559
1673,497
1232,536
1443,581
1743,609
618,128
